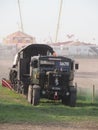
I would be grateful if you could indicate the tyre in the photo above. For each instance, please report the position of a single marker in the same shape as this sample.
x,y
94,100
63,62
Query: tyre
x,y
73,96
36,95
70,99
65,100
13,76
29,97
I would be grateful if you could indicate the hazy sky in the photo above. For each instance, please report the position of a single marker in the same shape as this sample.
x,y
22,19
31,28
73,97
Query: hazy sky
x,y
79,17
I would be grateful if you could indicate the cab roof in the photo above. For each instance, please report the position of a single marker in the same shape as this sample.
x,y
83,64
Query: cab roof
x,y
36,49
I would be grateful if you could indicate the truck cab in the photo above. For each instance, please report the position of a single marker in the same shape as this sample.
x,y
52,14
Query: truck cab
x,y
52,78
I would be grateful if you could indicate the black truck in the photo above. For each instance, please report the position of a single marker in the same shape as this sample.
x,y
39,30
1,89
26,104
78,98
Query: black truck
x,y
38,73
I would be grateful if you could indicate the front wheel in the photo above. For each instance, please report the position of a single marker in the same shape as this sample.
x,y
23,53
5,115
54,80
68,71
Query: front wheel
x,y
70,99
73,96
36,95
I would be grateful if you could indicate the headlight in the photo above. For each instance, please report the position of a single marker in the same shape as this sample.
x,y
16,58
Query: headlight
x,y
37,76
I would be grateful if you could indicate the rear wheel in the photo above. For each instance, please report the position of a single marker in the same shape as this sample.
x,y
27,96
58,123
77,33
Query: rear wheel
x,y
13,76
36,95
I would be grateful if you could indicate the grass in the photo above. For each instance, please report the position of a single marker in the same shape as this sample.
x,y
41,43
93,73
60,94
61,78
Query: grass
x,y
14,108
87,94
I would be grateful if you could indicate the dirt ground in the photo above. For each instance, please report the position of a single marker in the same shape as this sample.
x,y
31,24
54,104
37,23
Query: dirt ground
x,y
66,126
86,76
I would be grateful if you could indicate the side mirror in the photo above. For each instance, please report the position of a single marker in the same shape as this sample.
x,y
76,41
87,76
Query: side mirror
x,y
76,66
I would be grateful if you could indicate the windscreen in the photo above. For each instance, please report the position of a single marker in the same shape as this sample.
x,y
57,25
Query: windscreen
x,y
57,64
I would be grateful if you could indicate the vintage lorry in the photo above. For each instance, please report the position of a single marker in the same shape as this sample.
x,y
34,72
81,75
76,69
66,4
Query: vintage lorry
x,y
38,73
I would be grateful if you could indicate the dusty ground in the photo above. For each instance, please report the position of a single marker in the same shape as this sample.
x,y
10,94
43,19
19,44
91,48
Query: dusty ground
x,y
5,66
87,65
86,76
